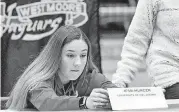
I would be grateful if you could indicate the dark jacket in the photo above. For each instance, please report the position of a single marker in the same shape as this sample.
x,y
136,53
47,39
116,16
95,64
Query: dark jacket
x,y
50,95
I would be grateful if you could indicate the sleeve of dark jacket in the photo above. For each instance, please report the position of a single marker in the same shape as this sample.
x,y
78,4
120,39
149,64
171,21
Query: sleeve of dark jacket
x,y
44,98
99,80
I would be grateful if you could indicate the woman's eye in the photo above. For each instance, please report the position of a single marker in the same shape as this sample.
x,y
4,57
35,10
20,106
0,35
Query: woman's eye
x,y
83,55
70,55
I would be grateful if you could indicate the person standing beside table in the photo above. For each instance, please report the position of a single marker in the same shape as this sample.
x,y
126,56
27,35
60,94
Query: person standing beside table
x,y
62,77
152,36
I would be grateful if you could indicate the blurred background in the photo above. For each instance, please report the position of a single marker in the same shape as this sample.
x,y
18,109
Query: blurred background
x,y
115,18
106,28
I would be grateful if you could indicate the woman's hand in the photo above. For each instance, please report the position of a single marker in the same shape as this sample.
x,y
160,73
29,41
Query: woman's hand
x,y
98,99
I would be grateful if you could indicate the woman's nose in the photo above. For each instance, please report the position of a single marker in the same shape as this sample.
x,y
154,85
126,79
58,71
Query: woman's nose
x,y
77,61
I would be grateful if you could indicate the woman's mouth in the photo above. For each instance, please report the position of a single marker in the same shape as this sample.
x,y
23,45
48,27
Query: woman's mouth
x,y
75,70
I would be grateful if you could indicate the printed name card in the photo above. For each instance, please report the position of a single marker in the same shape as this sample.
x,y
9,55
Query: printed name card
x,y
137,98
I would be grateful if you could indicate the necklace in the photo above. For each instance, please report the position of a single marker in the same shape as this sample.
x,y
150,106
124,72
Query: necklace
x,y
70,91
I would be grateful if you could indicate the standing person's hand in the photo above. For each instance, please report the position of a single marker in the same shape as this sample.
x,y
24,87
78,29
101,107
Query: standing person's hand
x,y
98,99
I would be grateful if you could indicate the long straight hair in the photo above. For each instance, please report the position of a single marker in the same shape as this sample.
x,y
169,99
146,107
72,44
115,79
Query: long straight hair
x,y
46,65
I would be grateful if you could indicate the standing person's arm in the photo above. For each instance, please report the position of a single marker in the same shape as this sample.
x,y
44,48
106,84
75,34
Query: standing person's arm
x,y
136,43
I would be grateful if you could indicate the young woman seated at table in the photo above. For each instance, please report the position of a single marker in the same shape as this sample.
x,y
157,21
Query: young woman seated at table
x,y
62,77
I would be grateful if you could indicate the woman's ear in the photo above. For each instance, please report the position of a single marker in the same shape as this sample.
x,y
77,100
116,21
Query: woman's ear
x,y
87,66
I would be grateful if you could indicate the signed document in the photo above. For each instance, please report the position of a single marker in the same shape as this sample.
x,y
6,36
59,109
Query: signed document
x,y
137,98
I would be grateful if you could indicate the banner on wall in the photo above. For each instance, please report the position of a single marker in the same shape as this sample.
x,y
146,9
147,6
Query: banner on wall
x,y
22,26
28,24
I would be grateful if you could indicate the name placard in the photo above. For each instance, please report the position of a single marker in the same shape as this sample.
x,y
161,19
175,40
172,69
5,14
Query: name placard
x,y
137,98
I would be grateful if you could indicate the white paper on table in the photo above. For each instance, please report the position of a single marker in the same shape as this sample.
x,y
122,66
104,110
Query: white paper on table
x,y
137,98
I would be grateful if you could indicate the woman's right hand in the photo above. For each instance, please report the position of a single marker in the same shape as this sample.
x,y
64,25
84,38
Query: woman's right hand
x,y
98,99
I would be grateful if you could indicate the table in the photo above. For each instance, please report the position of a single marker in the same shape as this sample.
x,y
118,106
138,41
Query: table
x,y
173,106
